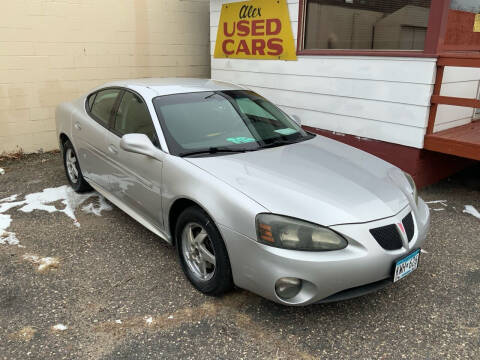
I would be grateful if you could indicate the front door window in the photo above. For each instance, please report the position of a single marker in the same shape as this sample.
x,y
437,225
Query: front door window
x,y
133,117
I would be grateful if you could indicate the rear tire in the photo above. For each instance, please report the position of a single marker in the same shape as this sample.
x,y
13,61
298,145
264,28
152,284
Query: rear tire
x,y
202,252
72,169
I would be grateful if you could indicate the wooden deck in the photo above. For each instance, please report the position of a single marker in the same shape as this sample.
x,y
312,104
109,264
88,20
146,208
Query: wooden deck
x,y
463,141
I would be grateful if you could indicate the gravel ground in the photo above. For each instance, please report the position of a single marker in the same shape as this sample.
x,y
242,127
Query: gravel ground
x,y
120,293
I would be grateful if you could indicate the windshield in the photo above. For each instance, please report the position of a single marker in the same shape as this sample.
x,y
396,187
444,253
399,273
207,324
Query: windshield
x,y
223,121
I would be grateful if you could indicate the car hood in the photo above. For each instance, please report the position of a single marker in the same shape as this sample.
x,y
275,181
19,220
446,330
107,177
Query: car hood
x,y
318,180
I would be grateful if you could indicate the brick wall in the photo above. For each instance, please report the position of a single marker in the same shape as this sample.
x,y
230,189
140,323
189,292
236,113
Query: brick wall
x,y
56,50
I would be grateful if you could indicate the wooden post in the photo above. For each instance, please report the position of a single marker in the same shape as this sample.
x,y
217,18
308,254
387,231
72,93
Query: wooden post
x,y
436,91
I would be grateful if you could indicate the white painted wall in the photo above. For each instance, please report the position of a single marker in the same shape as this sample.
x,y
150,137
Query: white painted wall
x,y
381,98
457,82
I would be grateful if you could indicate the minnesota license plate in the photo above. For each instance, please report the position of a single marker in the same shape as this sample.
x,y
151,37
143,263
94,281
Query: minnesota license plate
x,y
406,265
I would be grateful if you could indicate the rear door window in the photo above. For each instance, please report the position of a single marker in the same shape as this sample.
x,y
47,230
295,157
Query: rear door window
x,y
103,105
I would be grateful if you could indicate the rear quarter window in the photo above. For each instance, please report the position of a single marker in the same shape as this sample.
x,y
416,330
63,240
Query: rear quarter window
x,y
90,101
102,106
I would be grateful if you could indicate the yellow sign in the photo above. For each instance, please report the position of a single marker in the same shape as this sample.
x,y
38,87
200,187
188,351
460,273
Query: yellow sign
x,y
476,25
256,29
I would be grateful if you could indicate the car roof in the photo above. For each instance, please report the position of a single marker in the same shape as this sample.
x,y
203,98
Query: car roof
x,y
169,86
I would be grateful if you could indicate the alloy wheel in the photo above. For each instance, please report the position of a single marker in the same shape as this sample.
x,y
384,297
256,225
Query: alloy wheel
x,y
71,162
198,251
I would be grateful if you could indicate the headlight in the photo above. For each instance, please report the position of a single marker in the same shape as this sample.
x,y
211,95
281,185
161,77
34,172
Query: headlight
x,y
413,186
290,233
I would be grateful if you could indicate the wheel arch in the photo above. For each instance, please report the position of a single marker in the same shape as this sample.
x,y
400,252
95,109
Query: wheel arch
x,y
177,207
63,138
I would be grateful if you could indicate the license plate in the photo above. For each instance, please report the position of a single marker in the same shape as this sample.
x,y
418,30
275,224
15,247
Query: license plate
x,y
406,265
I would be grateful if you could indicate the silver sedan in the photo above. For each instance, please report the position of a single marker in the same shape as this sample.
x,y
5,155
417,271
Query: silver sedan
x,y
247,197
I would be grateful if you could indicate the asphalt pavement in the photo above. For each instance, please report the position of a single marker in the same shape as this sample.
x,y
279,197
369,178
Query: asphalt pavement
x,y
91,283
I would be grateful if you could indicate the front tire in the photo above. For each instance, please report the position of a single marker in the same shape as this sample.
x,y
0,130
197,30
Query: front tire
x,y
202,252
72,169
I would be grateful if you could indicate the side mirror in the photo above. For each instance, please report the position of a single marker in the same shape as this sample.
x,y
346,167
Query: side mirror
x,y
296,119
139,144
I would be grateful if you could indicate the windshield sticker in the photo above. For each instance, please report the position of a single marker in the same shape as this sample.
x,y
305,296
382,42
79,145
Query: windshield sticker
x,y
286,131
241,140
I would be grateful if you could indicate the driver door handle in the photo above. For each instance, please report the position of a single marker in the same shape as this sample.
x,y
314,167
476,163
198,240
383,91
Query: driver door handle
x,y
77,126
112,149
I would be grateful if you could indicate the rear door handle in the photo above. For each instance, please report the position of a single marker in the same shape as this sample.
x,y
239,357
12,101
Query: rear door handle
x,y
77,126
112,149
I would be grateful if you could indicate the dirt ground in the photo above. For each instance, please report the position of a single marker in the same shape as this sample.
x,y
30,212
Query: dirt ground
x,y
94,284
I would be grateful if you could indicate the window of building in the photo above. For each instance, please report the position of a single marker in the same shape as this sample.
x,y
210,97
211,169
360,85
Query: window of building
x,y
366,24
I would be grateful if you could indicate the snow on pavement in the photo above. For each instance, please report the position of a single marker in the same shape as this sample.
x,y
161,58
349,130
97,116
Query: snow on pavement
x,y
59,327
469,209
44,201
10,198
441,202
97,209
7,237
44,264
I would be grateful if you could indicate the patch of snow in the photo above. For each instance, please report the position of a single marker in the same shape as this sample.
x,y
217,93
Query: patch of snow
x,y
7,237
97,209
9,199
149,320
442,202
469,209
44,201
2,171
69,198
31,258
118,321
47,263
5,221
44,264
439,209
170,316
59,327
424,251
4,207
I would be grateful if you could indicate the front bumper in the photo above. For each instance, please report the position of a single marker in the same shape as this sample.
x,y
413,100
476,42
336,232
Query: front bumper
x,y
256,267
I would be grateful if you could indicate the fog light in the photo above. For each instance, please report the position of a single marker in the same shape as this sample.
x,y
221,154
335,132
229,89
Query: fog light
x,y
287,288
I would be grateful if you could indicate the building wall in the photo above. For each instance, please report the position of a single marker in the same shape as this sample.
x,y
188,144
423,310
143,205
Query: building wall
x,y
457,82
459,35
381,98
54,51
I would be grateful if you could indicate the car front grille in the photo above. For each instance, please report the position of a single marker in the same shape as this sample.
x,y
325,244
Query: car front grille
x,y
409,226
387,237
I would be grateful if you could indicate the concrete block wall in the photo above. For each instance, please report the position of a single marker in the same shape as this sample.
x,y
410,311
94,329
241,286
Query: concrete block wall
x,y
56,50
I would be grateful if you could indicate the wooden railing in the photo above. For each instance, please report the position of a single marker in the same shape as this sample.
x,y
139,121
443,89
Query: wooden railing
x,y
437,99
